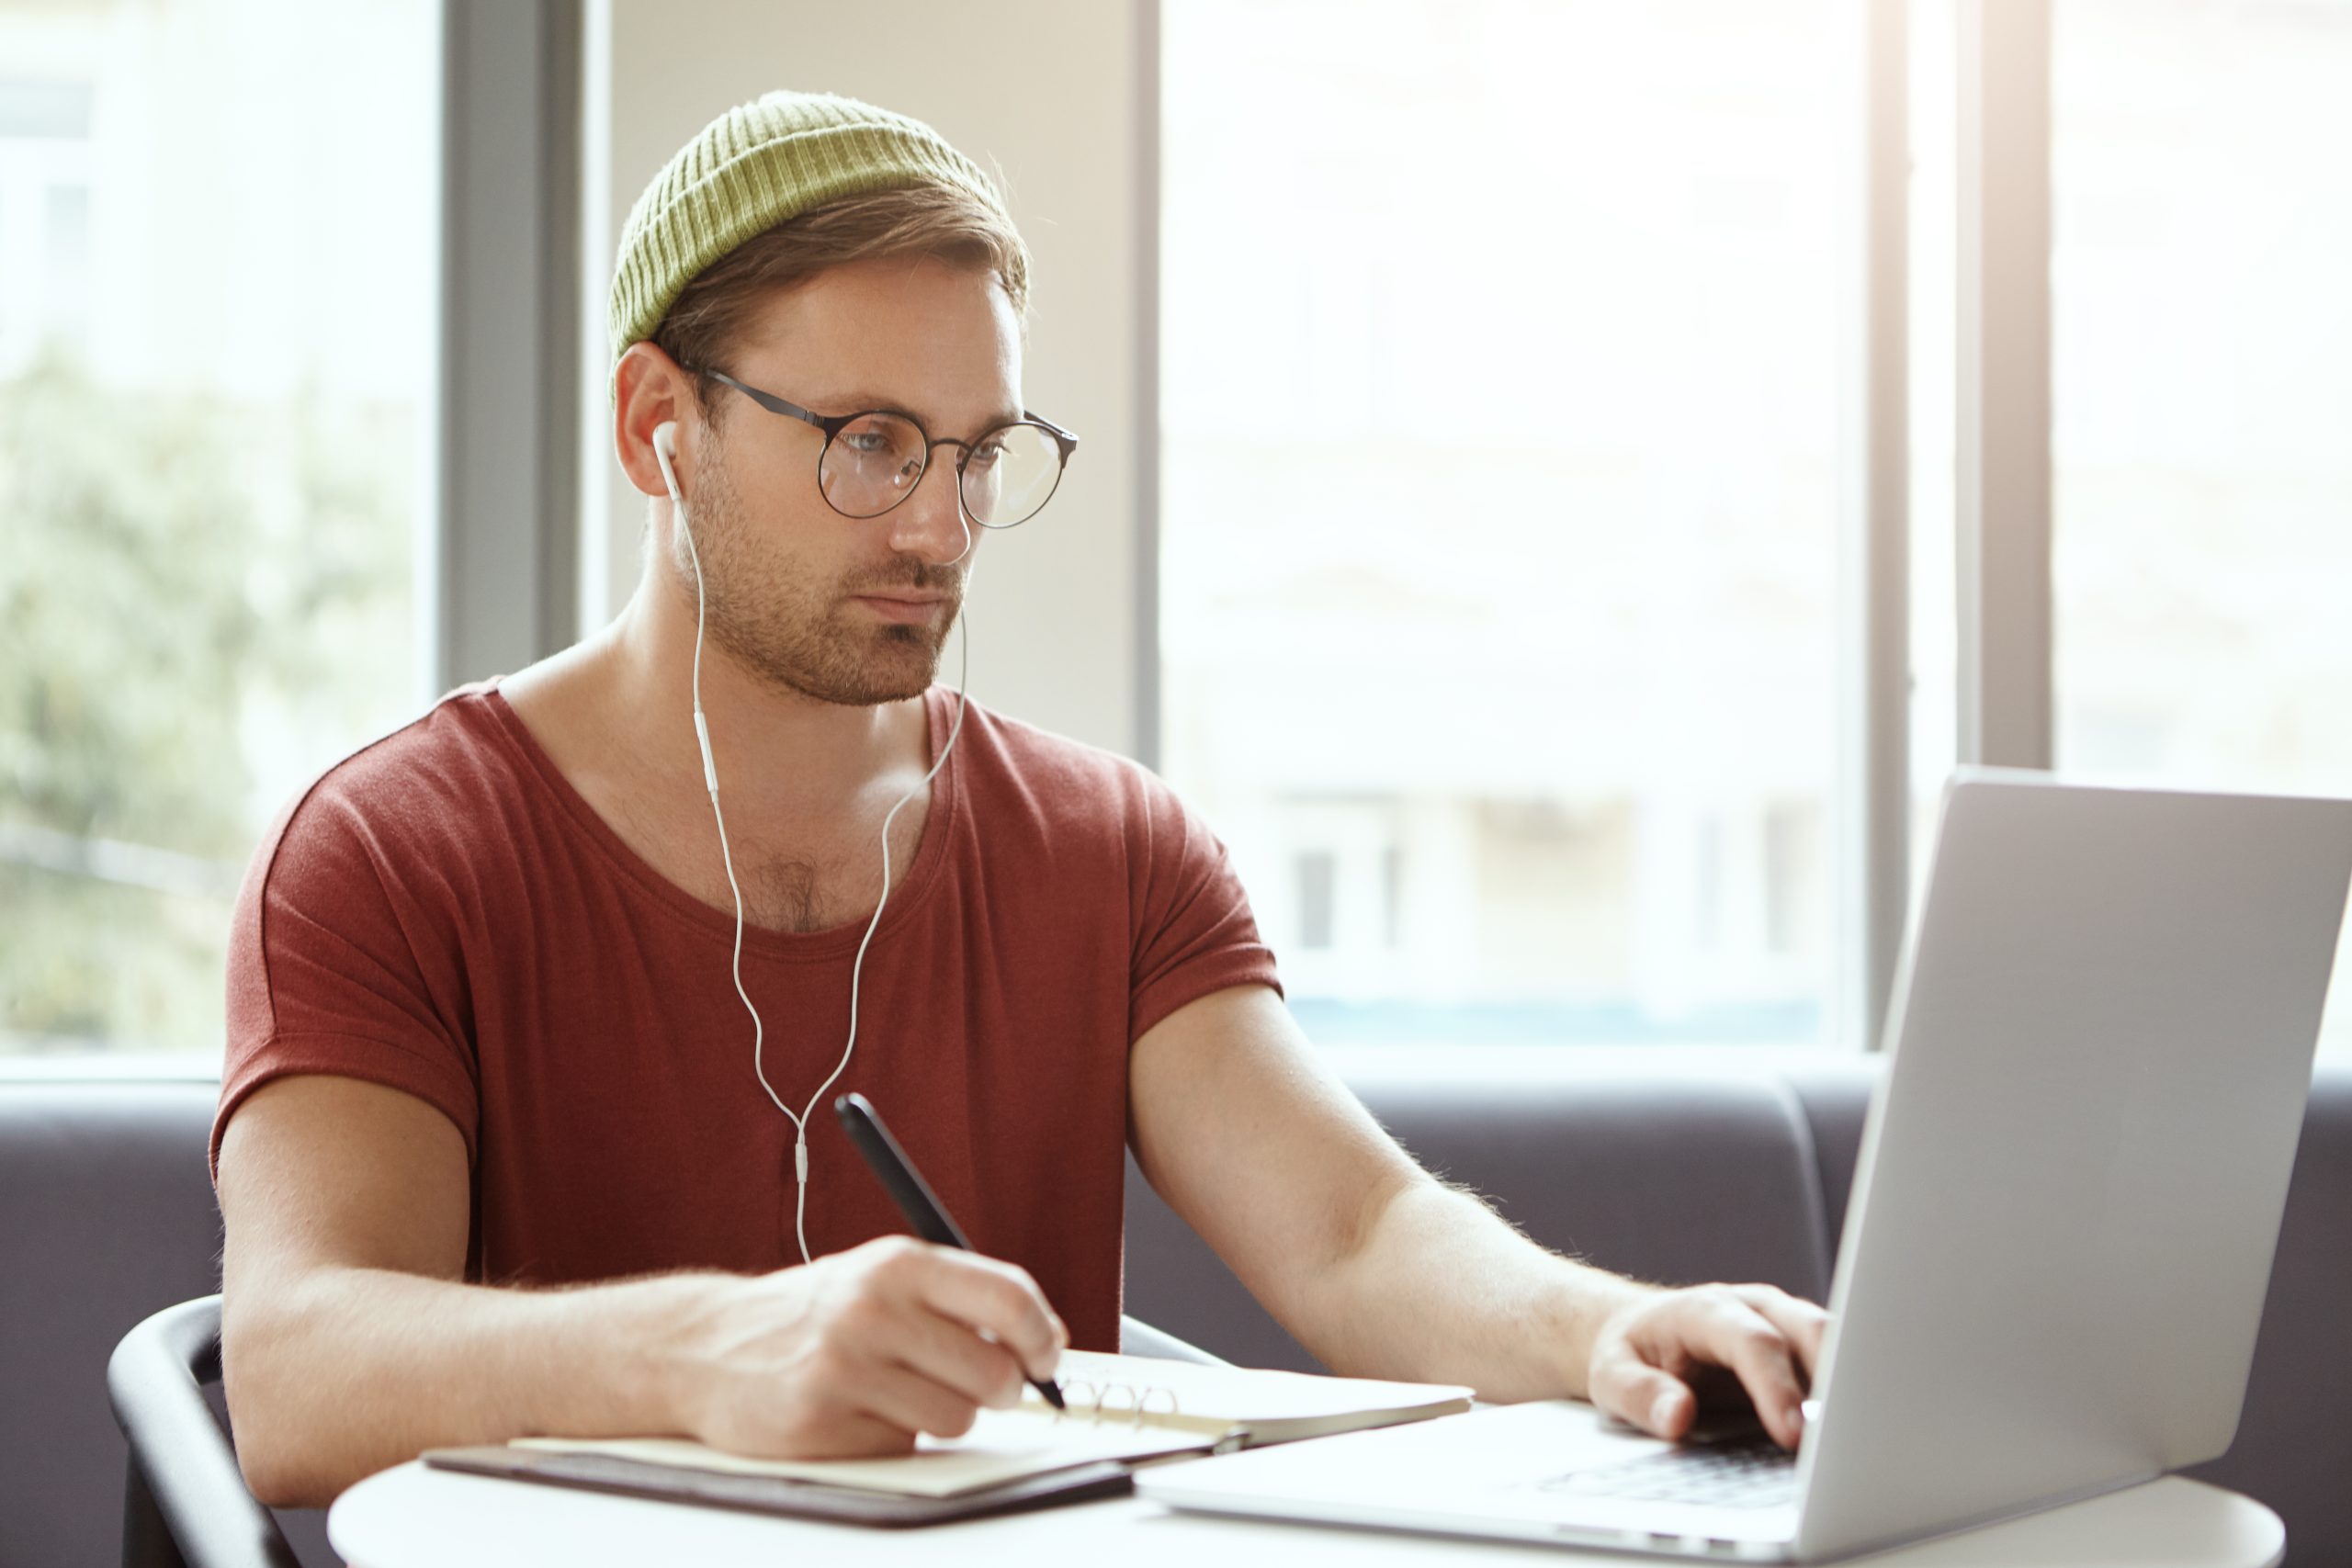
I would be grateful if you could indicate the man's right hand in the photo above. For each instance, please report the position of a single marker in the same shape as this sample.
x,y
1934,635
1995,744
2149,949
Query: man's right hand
x,y
350,1341
858,1352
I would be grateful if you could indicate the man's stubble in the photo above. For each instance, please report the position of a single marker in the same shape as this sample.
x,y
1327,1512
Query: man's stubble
x,y
770,616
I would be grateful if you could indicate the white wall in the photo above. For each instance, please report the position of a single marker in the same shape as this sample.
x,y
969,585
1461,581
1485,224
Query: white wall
x,y
1045,93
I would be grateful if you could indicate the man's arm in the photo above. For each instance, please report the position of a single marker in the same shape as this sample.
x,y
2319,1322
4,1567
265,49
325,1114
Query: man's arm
x,y
349,1343
1380,1270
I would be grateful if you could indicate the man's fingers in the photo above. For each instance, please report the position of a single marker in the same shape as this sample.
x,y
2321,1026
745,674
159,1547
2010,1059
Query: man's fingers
x,y
1650,1370
1801,1323
1632,1390
996,1299
914,1403
1735,1336
951,1354
850,1434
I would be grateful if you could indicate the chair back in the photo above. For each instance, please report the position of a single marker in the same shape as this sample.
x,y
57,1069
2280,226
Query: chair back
x,y
185,1501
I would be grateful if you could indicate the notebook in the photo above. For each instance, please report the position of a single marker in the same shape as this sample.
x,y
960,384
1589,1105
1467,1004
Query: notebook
x,y
1123,1411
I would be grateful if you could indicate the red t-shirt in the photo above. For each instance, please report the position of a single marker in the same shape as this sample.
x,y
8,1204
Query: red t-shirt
x,y
442,912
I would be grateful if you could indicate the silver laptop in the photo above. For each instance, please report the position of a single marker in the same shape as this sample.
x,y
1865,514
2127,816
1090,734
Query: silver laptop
x,y
2069,1193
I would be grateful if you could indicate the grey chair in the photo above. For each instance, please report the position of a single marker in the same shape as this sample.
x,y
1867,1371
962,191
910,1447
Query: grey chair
x,y
184,1502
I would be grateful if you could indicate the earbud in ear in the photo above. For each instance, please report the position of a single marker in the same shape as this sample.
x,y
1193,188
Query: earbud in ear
x,y
665,452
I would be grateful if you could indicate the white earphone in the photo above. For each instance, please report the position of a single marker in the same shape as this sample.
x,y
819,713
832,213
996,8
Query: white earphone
x,y
665,435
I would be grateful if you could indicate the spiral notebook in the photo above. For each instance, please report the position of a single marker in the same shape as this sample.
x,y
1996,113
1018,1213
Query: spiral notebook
x,y
1123,1411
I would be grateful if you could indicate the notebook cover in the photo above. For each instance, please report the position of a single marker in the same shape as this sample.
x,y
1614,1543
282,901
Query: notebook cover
x,y
776,1494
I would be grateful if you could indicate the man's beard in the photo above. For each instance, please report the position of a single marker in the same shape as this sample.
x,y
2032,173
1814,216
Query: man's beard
x,y
782,627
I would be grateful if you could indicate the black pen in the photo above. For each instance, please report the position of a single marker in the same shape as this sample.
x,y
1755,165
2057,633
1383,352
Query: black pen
x,y
914,1196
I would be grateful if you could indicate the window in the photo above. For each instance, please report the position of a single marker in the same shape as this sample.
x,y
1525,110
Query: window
x,y
1498,349
1498,515
217,232
2201,382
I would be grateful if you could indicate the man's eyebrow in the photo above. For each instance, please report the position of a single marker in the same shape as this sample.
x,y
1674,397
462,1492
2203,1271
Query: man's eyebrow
x,y
867,402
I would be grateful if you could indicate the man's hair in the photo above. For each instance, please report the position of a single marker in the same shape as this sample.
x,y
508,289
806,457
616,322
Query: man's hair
x,y
943,223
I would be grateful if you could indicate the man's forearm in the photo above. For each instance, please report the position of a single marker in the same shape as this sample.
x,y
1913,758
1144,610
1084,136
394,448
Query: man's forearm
x,y
352,1369
1441,1290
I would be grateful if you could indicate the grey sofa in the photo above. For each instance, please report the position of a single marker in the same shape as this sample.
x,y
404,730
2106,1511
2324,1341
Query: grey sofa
x,y
1662,1168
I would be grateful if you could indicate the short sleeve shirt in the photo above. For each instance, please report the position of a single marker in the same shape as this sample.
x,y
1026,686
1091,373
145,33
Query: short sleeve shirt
x,y
443,914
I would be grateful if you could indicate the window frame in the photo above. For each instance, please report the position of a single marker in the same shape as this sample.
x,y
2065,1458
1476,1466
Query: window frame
x,y
503,550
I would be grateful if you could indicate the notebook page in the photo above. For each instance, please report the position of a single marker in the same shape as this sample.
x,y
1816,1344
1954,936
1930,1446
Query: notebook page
x,y
1003,1445
1223,1397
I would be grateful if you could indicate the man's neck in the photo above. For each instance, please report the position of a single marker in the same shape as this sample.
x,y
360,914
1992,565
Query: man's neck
x,y
777,751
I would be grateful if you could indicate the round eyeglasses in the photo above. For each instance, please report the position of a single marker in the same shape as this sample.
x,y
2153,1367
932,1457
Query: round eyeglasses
x,y
873,460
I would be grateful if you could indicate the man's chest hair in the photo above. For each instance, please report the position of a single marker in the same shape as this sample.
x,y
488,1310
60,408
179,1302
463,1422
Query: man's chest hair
x,y
790,882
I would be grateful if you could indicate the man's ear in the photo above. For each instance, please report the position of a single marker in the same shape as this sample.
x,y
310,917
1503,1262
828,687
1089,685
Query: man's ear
x,y
650,389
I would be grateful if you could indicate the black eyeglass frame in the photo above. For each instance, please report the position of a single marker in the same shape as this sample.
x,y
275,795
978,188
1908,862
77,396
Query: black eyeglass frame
x,y
1064,441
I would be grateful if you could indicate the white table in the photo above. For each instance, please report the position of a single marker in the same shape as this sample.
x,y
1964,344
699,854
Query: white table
x,y
409,1517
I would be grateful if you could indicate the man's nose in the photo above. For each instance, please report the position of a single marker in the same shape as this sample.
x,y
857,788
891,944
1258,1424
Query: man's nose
x,y
930,523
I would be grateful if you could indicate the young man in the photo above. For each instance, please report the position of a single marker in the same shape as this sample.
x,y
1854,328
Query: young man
x,y
529,1006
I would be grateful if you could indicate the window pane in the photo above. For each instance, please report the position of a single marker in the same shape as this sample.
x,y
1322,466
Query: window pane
x,y
216,280
1498,546
2202,383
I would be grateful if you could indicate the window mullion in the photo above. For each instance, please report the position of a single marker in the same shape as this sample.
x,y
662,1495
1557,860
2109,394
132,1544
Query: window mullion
x,y
502,586
2003,436
1874,656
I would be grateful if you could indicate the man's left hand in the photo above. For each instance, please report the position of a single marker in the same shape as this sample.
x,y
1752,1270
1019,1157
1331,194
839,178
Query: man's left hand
x,y
1655,1360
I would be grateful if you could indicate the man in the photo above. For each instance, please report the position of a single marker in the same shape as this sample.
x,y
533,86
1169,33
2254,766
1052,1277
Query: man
x,y
531,1013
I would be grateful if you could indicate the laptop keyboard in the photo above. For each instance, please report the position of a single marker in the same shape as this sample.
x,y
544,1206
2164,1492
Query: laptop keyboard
x,y
1754,1472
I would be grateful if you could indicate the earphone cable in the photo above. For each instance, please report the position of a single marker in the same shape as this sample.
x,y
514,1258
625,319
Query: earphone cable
x,y
954,732
710,779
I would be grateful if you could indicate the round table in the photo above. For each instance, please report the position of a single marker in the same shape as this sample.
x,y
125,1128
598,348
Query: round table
x,y
411,1517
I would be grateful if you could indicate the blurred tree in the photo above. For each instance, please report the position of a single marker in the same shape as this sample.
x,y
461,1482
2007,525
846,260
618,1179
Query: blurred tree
x,y
201,603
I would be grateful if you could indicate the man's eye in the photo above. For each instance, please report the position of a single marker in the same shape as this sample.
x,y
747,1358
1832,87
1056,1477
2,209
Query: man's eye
x,y
985,456
867,443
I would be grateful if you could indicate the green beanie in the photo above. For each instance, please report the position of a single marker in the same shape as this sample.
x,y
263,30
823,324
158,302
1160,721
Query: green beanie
x,y
751,168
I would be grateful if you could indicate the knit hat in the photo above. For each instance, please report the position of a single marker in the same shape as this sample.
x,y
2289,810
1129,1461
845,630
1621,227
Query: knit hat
x,y
751,168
